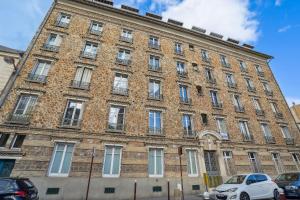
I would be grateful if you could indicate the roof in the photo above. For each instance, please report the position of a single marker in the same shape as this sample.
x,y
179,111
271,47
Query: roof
x,y
10,50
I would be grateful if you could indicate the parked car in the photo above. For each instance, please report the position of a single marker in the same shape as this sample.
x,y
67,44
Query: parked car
x,y
17,189
290,183
248,187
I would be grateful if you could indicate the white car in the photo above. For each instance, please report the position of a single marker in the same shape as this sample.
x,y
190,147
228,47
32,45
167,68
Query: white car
x,y
248,187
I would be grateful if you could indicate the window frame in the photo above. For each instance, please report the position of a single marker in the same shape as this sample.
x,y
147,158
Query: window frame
x,y
155,175
189,166
110,175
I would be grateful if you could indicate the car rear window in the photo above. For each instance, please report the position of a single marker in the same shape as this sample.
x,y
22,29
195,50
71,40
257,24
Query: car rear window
x,y
7,186
25,184
288,177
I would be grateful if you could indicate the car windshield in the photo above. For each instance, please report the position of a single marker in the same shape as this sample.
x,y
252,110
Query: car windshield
x,y
288,177
238,179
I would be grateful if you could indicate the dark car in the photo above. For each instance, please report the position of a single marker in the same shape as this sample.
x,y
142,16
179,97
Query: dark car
x,y
17,189
290,183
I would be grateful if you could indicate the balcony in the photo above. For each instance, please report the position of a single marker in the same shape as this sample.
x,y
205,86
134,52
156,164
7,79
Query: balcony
x,y
239,109
123,61
206,59
270,140
224,136
261,74
189,133
62,24
225,64
244,70
248,138
120,90
182,73
154,45
118,127
251,89
232,85
211,80
179,52
155,131
185,100
155,68
269,93
289,141
154,96
70,123
217,105
95,32
80,85
260,112
278,115
50,47
19,118
37,78
89,55
126,39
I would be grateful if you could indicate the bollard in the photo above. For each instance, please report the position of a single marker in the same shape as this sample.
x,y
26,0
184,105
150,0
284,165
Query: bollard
x,y
135,185
168,190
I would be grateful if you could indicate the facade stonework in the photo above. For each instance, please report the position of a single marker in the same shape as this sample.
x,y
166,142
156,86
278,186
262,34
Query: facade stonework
x,y
45,125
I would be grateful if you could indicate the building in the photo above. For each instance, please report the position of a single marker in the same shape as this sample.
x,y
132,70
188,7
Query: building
x,y
295,109
136,88
7,68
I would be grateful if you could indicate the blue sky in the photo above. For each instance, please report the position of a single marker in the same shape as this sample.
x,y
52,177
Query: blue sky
x,y
272,26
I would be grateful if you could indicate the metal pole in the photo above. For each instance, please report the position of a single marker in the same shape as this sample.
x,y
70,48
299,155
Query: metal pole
x,y
182,194
90,173
168,190
135,185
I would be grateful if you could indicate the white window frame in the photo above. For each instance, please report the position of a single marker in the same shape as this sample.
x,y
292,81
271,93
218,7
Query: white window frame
x,y
189,157
283,132
162,163
256,104
14,141
297,162
218,119
110,175
154,117
278,162
245,127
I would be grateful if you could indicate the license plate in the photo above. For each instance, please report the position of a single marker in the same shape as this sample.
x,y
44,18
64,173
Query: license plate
x,y
220,195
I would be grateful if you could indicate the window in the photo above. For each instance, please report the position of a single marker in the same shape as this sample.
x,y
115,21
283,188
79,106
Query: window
x,y
73,113
222,128
266,130
126,36
204,118
255,165
296,159
230,81
82,78
3,139
260,178
120,84
155,162
154,42
112,161
155,126
237,103
53,42
116,118
154,89
123,57
250,85
154,63
24,107
199,90
192,162
96,28
63,20
205,56
181,68
285,132
278,163
40,71
267,89
215,99
209,76
245,130
61,159
224,61
178,48
243,66
90,50
17,141
275,110
256,104
184,94
229,163
187,125
259,70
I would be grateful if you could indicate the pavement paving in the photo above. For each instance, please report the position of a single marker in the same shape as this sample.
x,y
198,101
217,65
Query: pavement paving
x,y
187,197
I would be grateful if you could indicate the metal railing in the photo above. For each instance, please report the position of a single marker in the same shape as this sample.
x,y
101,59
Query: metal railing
x,y
182,73
278,115
37,77
179,52
95,32
80,85
225,64
116,126
189,133
224,136
270,140
231,85
248,138
240,109
126,39
62,24
70,123
244,70
211,80
251,89
269,93
154,96
156,68
155,131
217,105
259,112
154,45
206,59
89,55
120,90
123,61
261,74
50,47
19,118
185,100
289,141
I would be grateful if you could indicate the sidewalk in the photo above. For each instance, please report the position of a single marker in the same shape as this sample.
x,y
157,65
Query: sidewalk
x,y
187,197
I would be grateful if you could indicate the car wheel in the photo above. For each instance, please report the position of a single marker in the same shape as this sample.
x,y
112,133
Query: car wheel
x,y
244,196
276,195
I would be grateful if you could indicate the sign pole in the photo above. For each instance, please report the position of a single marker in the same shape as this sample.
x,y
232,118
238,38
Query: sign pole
x,y
90,174
180,154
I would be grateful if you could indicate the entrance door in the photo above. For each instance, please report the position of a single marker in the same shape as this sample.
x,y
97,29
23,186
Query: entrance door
x,y
212,168
6,166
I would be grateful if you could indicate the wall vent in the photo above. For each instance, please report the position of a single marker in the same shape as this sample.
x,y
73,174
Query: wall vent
x,y
109,190
52,191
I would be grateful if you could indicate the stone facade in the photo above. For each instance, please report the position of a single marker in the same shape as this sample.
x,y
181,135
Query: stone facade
x,y
44,126
295,109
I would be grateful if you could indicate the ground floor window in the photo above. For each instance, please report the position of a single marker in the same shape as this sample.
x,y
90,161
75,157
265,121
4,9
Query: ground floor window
x,y
192,163
6,167
112,161
296,159
229,163
155,162
278,164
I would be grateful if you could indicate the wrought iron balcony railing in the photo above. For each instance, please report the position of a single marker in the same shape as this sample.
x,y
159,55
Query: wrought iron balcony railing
x,y
270,140
231,85
155,96
80,85
37,78
251,89
116,126
217,105
156,68
153,45
248,138
239,109
50,47
260,112
185,100
19,118
89,55
211,80
155,131
278,115
179,52
189,133
269,93
289,141
70,123
62,24
120,90
206,59
123,61
126,39
95,32
182,73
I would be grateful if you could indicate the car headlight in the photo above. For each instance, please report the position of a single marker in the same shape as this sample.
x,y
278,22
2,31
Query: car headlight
x,y
231,190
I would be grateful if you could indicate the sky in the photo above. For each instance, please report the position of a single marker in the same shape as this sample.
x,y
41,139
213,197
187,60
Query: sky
x,y
272,26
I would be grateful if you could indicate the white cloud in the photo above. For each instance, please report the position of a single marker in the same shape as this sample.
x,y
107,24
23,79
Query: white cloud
x,y
284,29
278,2
291,100
231,18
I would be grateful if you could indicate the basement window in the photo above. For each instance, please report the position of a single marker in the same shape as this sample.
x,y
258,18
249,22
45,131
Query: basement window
x,y
109,190
157,189
17,141
52,191
3,139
